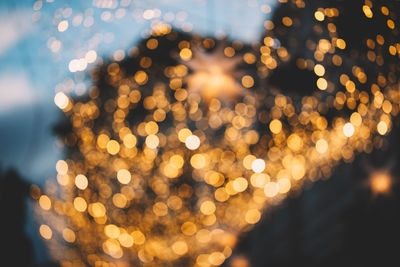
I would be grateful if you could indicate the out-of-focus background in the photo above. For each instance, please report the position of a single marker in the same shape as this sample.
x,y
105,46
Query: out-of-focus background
x,y
343,220
35,54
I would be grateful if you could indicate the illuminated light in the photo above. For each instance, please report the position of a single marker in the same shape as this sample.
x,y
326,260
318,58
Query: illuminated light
x,y
252,216
240,184
45,202
186,54
177,161
356,119
61,100
249,58
126,240
320,16
207,207
63,26
120,200
81,181
45,231
390,24
321,146
192,142
259,179
62,167
275,126
348,129
239,261
141,77
198,161
295,142
129,140
138,237
91,56
152,44
322,84
385,10
180,248
183,134
216,258
113,147
367,11
229,51
382,128
287,21
80,204
112,231
248,160
298,171
151,127
319,70
247,81
160,209
221,195
69,235
258,165
63,179
284,185
188,228
380,182
340,43
152,141
174,203
97,209
124,176
271,189
112,248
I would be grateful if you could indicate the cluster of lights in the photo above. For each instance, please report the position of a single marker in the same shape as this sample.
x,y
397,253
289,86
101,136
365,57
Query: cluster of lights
x,y
169,165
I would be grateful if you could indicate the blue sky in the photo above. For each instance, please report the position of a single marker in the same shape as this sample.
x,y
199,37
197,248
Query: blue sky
x,y
34,58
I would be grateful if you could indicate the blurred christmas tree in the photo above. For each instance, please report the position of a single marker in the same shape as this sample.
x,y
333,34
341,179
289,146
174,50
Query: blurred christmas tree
x,y
182,145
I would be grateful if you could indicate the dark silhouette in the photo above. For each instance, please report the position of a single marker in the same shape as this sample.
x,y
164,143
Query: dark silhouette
x,y
17,248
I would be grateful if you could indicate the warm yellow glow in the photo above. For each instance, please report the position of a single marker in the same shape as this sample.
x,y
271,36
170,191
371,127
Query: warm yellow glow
x,y
152,141
186,54
284,185
382,128
61,100
124,176
271,189
113,147
180,247
45,231
321,146
192,142
380,182
348,129
275,126
253,216
240,184
183,134
207,207
81,181
126,240
319,70
320,16
258,165
68,235
198,161
97,209
45,202
62,167
112,231
367,11
247,81
80,204
130,140
322,84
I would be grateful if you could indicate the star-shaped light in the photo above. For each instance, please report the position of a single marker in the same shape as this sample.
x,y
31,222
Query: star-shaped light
x,y
213,75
